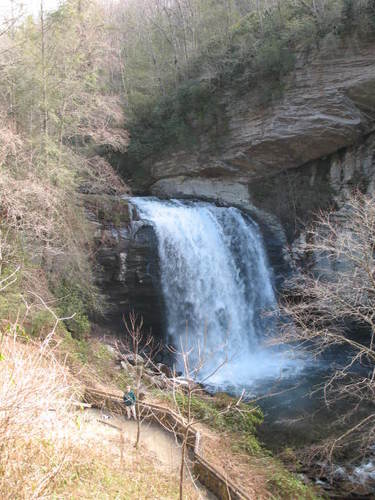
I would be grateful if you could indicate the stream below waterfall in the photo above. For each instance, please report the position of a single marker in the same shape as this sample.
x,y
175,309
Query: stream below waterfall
x,y
218,290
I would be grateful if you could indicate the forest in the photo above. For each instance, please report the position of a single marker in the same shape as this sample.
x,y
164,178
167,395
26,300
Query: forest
x,y
93,95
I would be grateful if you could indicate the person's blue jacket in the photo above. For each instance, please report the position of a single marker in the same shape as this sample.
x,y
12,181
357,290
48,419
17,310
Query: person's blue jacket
x,y
129,398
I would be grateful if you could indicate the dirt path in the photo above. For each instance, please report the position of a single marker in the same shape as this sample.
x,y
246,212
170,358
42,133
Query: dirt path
x,y
99,428
155,439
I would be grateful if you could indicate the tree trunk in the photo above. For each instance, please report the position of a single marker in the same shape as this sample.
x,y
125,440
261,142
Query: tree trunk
x,y
182,466
44,81
139,370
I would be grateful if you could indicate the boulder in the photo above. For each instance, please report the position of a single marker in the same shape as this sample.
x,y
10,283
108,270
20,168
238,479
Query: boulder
x,y
161,381
184,383
113,352
134,359
166,370
124,365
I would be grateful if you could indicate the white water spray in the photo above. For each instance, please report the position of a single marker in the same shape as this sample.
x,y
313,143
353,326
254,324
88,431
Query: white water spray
x,y
217,287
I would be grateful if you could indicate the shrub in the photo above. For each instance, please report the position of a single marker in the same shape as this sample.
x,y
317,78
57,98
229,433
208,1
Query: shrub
x,y
274,58
41,324
242,419
178,118
286,485
249,444
73,300
348,14
331,309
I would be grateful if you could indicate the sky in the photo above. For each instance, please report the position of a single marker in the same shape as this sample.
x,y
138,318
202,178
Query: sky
x,y
30,6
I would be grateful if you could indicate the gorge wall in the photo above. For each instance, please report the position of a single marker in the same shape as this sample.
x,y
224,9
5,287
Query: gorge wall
x,y
292,156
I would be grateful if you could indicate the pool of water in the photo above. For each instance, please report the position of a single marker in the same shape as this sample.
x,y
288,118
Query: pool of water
x,y
297,417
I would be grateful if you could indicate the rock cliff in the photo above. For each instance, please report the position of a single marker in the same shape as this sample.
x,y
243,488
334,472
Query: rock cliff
x,y
327,107
127,265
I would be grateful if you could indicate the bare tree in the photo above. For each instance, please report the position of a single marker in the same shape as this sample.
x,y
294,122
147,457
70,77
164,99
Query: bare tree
x,y
7,22
193,359
182,392
142,349
332,305
44,73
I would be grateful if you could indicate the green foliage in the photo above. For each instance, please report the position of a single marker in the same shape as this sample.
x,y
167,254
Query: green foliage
x,y
243,417
274,58
249,444
103,353
348,12
357,18
178,118
286,485
77,349
240,419
73,300
369,14
41,323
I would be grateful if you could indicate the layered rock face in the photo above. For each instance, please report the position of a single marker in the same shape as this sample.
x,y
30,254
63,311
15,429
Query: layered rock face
x,y
327,106
127,266
295,195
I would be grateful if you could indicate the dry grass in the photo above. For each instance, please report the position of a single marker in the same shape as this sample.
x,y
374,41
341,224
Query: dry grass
x,y
32,385
48,450
108,467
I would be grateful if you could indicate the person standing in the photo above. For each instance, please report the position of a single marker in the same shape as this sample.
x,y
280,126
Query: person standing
x,y
130,400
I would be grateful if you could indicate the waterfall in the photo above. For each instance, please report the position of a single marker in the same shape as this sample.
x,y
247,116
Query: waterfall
x,y
217,286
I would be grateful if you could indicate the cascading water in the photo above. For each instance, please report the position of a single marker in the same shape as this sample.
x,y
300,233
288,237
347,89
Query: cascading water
x,y
217,286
